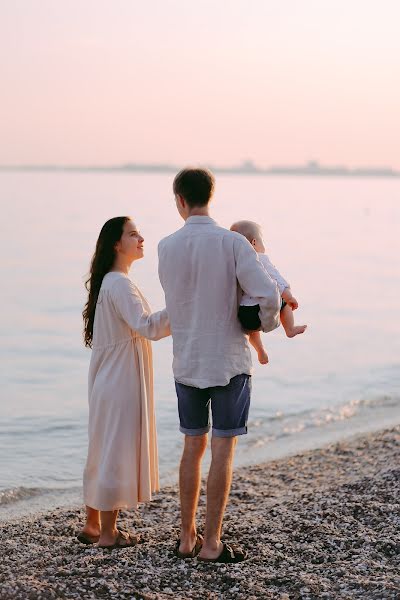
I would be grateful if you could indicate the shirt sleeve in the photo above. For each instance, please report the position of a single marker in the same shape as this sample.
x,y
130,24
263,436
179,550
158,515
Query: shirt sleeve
x,y
274,273
160,270
256,282
129,307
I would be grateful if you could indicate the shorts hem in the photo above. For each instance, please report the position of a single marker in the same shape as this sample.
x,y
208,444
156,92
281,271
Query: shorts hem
x,y
200,431
229,432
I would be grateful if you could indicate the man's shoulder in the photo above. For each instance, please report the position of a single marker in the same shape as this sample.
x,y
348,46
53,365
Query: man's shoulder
x,y
264,259
239,237
169,238
239,242
214,229
219,230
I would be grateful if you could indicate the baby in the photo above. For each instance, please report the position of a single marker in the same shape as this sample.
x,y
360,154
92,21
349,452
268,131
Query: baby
x,y
248,310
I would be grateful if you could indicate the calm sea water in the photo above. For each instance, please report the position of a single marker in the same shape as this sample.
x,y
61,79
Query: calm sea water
x,y
335,240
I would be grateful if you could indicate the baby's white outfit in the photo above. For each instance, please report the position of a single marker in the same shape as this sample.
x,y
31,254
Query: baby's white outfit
x,y
273,273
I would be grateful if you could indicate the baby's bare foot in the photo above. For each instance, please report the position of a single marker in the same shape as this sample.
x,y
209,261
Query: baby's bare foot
x,y
296,330
262,357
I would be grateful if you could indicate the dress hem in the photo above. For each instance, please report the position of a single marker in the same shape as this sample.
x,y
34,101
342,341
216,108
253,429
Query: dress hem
x,y
124,505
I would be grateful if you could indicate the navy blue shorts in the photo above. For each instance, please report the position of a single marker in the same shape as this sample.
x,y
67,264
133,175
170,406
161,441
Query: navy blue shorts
x,y
229,407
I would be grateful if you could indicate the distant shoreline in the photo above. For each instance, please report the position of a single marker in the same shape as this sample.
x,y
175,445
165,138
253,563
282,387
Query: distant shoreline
x,y
309,170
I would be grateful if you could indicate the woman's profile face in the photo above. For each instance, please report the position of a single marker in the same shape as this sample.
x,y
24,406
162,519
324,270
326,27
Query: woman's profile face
x,y
131,242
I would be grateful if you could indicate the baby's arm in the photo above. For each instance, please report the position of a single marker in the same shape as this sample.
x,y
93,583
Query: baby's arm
x,y
283,285
274,273
287,319
288,297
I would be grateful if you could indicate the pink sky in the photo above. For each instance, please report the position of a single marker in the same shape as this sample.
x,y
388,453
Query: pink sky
x,y
212,81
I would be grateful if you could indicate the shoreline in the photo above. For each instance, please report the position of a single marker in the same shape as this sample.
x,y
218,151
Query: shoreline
x,y
320,524
32,502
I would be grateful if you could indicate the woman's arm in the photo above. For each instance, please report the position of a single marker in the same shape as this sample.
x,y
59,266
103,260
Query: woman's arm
x,y
129,307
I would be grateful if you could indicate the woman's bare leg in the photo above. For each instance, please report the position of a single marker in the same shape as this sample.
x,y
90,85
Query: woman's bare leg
x,y
92,526
287,320
109,531
256,342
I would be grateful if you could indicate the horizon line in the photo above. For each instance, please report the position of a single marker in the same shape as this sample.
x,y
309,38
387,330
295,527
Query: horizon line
x,y
247,167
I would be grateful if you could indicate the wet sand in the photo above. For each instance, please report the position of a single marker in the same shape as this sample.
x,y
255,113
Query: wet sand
x,y
322,524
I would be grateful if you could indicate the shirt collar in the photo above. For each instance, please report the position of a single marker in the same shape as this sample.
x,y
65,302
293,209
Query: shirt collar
x,y
200,220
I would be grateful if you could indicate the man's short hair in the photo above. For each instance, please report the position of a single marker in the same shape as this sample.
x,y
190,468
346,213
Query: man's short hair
x,y
196,186
249,229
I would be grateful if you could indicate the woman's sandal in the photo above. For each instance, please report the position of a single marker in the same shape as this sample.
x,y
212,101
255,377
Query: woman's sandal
x,y
195,550
123,540
87,539
228,555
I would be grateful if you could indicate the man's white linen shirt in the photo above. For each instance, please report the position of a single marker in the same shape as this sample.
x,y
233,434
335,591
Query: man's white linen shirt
x,y
273,273
203,269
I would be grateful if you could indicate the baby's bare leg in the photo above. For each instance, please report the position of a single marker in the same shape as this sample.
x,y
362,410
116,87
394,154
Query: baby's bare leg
x,y
287,320
256,342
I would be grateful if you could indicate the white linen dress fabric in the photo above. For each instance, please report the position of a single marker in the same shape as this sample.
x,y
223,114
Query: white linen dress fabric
x,y
204,270
122,463
273,273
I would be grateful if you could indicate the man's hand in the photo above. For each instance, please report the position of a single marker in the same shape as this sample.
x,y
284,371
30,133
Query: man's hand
x,y
289,299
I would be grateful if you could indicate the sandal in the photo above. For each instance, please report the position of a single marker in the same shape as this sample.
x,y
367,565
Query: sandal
x,y
228,555
195,550
123,540
87,539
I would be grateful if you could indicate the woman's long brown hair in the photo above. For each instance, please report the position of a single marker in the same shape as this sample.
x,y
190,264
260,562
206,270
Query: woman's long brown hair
x,y
101,263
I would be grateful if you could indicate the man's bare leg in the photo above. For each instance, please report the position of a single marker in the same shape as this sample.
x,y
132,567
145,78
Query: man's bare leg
x,y
218,487
256,342
189,488
287,320
92,525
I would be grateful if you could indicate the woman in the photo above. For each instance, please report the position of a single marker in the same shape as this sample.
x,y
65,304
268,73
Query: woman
x,y
122,463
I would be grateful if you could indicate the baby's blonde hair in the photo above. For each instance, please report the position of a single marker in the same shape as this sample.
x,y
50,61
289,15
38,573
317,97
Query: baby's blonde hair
x,y
250,229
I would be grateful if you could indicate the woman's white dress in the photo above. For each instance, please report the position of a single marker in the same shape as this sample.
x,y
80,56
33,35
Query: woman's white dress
x,y
122,464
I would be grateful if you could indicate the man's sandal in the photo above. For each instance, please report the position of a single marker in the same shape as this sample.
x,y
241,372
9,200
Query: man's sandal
x,y
87,539
229,554
195,550
123,540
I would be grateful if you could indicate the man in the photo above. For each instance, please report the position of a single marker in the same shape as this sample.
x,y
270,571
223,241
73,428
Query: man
x,y
203,269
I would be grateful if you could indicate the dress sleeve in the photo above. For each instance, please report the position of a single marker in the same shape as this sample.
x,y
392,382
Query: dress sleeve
x,y
255,281
129,307
274,273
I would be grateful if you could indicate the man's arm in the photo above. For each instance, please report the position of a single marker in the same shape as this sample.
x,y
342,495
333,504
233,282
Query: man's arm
x,y
255,281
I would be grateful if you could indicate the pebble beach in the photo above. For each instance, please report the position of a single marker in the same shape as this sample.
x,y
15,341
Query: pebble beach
x,y
321,524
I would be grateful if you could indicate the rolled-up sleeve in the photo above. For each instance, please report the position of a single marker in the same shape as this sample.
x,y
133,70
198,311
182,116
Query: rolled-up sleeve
x,y
129,307
256,282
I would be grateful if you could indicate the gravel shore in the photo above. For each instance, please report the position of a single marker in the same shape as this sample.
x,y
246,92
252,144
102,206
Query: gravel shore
x,y
322,524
